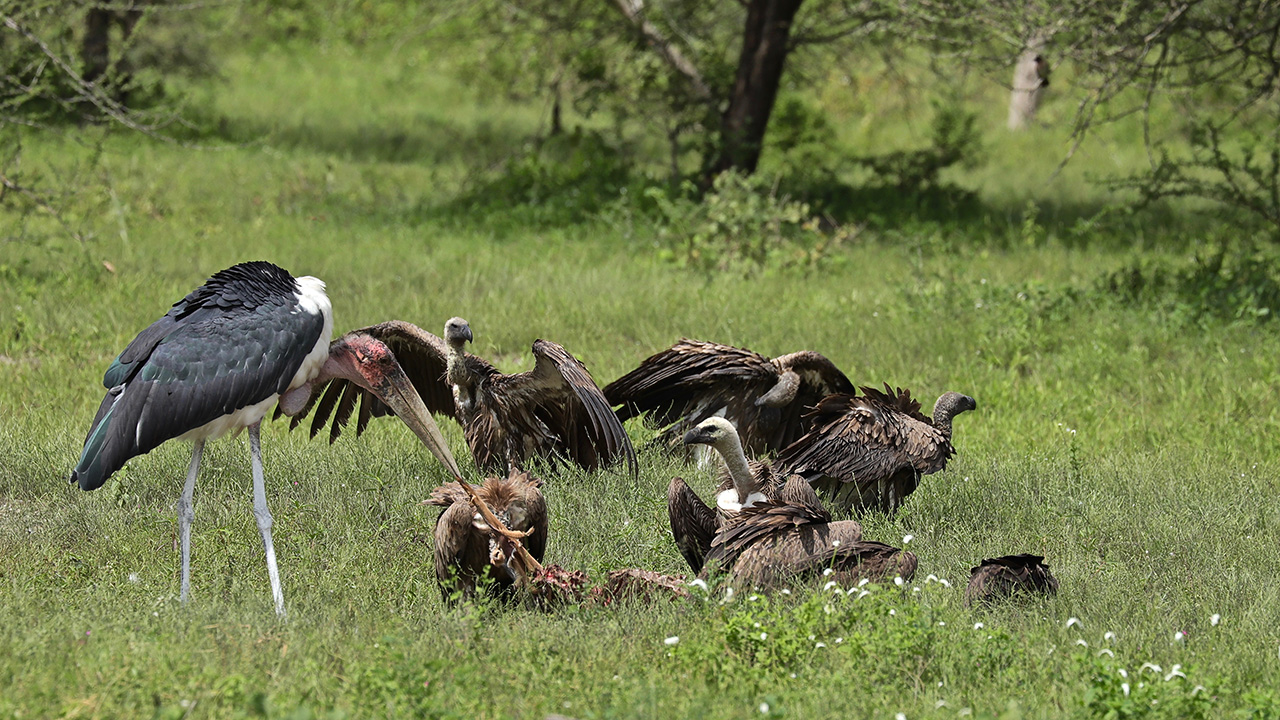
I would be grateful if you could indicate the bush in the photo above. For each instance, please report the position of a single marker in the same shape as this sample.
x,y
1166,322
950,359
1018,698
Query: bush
x,y
741,224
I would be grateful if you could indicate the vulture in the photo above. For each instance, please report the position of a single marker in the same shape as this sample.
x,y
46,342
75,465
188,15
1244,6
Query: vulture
x,y
793,537
693,380
870,450
467,548
1003,577
553,411
744,483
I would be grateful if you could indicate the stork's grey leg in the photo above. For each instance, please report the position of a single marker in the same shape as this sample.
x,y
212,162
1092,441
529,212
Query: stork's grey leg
x,y
263,516
187,513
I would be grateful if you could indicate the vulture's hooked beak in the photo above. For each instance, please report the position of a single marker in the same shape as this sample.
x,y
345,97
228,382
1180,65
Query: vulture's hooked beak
x,y
696,436
398,393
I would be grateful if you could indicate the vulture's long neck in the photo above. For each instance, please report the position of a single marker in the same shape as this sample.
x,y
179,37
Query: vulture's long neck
x,y
459,379
735,459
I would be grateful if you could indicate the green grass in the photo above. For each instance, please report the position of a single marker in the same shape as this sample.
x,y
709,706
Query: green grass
x,y
1131,443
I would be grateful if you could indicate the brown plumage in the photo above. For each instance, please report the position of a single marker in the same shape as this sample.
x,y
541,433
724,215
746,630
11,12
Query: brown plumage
x,y
792,537
743,483
1003,577
693,380
466,548
870,450
554,410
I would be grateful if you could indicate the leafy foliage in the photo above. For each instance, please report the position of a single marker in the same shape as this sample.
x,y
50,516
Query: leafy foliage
x,y
741,224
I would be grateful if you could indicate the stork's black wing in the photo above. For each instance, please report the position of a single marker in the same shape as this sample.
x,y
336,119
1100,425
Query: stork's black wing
x,y
225,347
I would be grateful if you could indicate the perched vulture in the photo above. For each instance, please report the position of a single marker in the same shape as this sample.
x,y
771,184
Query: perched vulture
x,y
870,450
1003,577
744,483
793,537
693,380
467,548
554,410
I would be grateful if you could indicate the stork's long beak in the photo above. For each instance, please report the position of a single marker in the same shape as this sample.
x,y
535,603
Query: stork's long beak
x,y
398,393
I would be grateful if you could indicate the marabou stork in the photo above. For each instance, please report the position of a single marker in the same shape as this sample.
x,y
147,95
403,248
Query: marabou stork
x,y
553,411
1008,576
743,483
250,336
870,451
693,380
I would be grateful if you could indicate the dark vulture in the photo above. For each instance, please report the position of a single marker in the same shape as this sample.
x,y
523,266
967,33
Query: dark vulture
x,y
553,411
743,484
792,537
870,450
693,380
467,548
1003,577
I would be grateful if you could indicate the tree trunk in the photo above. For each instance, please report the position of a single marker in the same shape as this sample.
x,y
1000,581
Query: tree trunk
x,y
95,50
1030,78
764,52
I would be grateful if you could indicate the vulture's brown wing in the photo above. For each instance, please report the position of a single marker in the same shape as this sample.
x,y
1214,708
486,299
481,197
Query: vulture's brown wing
x,y
693,523
796,506
559,391
460,551
818,377
691,381
857,439
535,504
420,354
804,551
1001,577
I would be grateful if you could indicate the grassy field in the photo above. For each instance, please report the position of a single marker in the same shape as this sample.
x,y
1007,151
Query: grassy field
x,y
1129,438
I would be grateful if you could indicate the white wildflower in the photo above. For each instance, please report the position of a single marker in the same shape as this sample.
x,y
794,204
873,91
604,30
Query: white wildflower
x,y
835,543
907,538
897,580
1175,671
1109,636
863,581
671,640
930,578
831,584
764,708
863,594
1081,642
699,583
1074,621
1106,651
944,582
1179,636
1196,689
900,716
978,626
839,640
892,611
820,645
764,636
786,591
1125,688
1123,673
135,578
1214,619
940,704
1152,667
942,623
827,572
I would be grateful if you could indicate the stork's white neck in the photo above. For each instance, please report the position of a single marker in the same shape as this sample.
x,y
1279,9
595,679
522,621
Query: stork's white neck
x,y
313,301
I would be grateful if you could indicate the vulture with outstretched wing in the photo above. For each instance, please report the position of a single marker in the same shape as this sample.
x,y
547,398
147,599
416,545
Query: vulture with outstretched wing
x,y
1003,577
554,410
743,483
870,450
693,380
792,537
467,548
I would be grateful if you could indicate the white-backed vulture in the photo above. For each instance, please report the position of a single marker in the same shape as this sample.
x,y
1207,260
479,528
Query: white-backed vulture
x,y
466,548
1003,577
693,380
792,537
870,450
743,483
554,410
